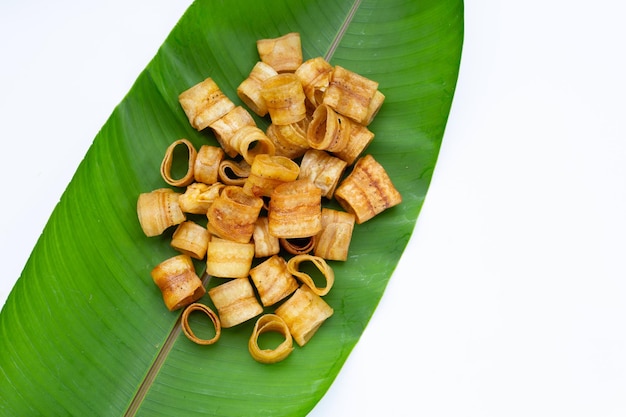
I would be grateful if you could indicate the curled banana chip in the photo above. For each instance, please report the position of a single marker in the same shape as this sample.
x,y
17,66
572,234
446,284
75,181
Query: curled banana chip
x,y
333,242
304,312
207,166
158,210
323,170
235,302
293,266
192,239
233,214
198,197
284,98
211,314
264,243
268,172
329,130
295,210
273,280
178,282
249,91
359,139
284,53
166,164
204,103
270,323
250,141
226,126
289,140
367,191
228,259
315,76
350,94
234,172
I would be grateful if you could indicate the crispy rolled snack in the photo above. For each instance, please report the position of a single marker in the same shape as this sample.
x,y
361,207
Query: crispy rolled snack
x,y
233,214
350,94
204,103
315,76
367,191
270,323
198,197
304,312
234,172
329,130
249,91
293,266
323,170
166,164
295,210
298,246
268,172
272,280
228,259
289,140
207,311
284,98
264,243
333,242
226,126
250,141
235,302
284,53
207,166
360,138
178,282
191,239
158,210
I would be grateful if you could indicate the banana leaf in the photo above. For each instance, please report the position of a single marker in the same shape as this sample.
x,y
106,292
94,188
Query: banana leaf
x,y
85,332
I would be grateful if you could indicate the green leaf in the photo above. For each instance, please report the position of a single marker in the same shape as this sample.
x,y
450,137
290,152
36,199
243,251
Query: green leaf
x,y
85,332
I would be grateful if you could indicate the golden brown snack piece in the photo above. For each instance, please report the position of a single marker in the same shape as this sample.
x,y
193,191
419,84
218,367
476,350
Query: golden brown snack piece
x,y
234,172
284,53
329,130
315,75
228,259
333,242
359,139
178,282
191,239
293,266
158,210
304,312
207,311
270,323
272,280
250,141
264,243
235,302
204,103
268,172
249,91
198,197
295,210
289,140
207,166
323,170
284,98
367,191
233,214
226,126
168,159
350,94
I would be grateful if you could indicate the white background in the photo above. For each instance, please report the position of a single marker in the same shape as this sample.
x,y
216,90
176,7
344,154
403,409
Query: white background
x,y
510,299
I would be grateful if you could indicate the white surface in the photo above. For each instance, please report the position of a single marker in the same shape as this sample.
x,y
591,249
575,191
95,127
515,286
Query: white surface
x,y
511,297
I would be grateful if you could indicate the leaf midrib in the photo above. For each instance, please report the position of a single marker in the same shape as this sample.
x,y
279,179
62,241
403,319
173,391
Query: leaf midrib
x,y
163,353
